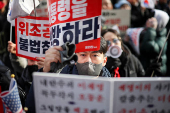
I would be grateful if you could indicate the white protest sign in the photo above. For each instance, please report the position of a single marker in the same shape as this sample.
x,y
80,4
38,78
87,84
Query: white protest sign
x,y
142,95
71,94
118,17
83,94
32,36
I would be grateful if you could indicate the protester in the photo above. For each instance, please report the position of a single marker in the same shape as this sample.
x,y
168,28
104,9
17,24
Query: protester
x,y
89,63
127,65
123,4
139,15
114,2
164,5
23,68
152,42
4,33
18,63
107,5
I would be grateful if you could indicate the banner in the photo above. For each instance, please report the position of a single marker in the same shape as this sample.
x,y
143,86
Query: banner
x,y
119,17
83,94
32,36
134,37
75,21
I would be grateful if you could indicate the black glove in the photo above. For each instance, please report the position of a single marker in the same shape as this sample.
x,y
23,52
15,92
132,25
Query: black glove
x,y
155,67
68,56
112,63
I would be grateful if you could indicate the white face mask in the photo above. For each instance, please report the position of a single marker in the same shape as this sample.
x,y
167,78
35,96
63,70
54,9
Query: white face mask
x,y
114,51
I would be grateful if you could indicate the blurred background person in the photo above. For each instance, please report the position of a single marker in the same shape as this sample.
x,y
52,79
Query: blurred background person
x,y
139,15
164,5
24,68
151,43
107,5
5,34
123,4
126,65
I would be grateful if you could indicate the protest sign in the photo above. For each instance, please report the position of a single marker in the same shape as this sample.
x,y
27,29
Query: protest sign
x,y
71,94
133,35
142,95
75,21
83,94
32,36
118,17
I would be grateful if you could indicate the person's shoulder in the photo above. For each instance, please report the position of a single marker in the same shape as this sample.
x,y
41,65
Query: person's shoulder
x,y
105,72
69,69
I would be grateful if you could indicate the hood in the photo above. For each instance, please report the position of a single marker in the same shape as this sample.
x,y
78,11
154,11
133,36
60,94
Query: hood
x,y
162,18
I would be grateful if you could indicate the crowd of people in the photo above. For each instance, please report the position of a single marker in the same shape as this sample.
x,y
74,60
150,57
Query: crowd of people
x,y
94,63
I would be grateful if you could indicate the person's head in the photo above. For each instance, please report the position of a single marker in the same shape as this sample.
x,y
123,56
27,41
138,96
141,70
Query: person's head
x,y
32,66
107,4
163,1
91,62
123,4
112,36
133,2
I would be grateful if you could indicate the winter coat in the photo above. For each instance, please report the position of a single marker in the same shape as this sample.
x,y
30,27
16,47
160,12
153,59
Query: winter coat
x,y
18,63
129,65
73,70
26,78
30,102
151,44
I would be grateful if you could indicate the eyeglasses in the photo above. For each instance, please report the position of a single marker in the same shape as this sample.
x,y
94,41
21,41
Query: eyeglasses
x,y
116,41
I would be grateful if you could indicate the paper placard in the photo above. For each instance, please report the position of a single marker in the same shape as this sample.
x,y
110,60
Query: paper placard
x,y
83,94
32,36
118,17
70,94
142,96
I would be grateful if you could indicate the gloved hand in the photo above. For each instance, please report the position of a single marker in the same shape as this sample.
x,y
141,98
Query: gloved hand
x,y
154,66
67,56
112,63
